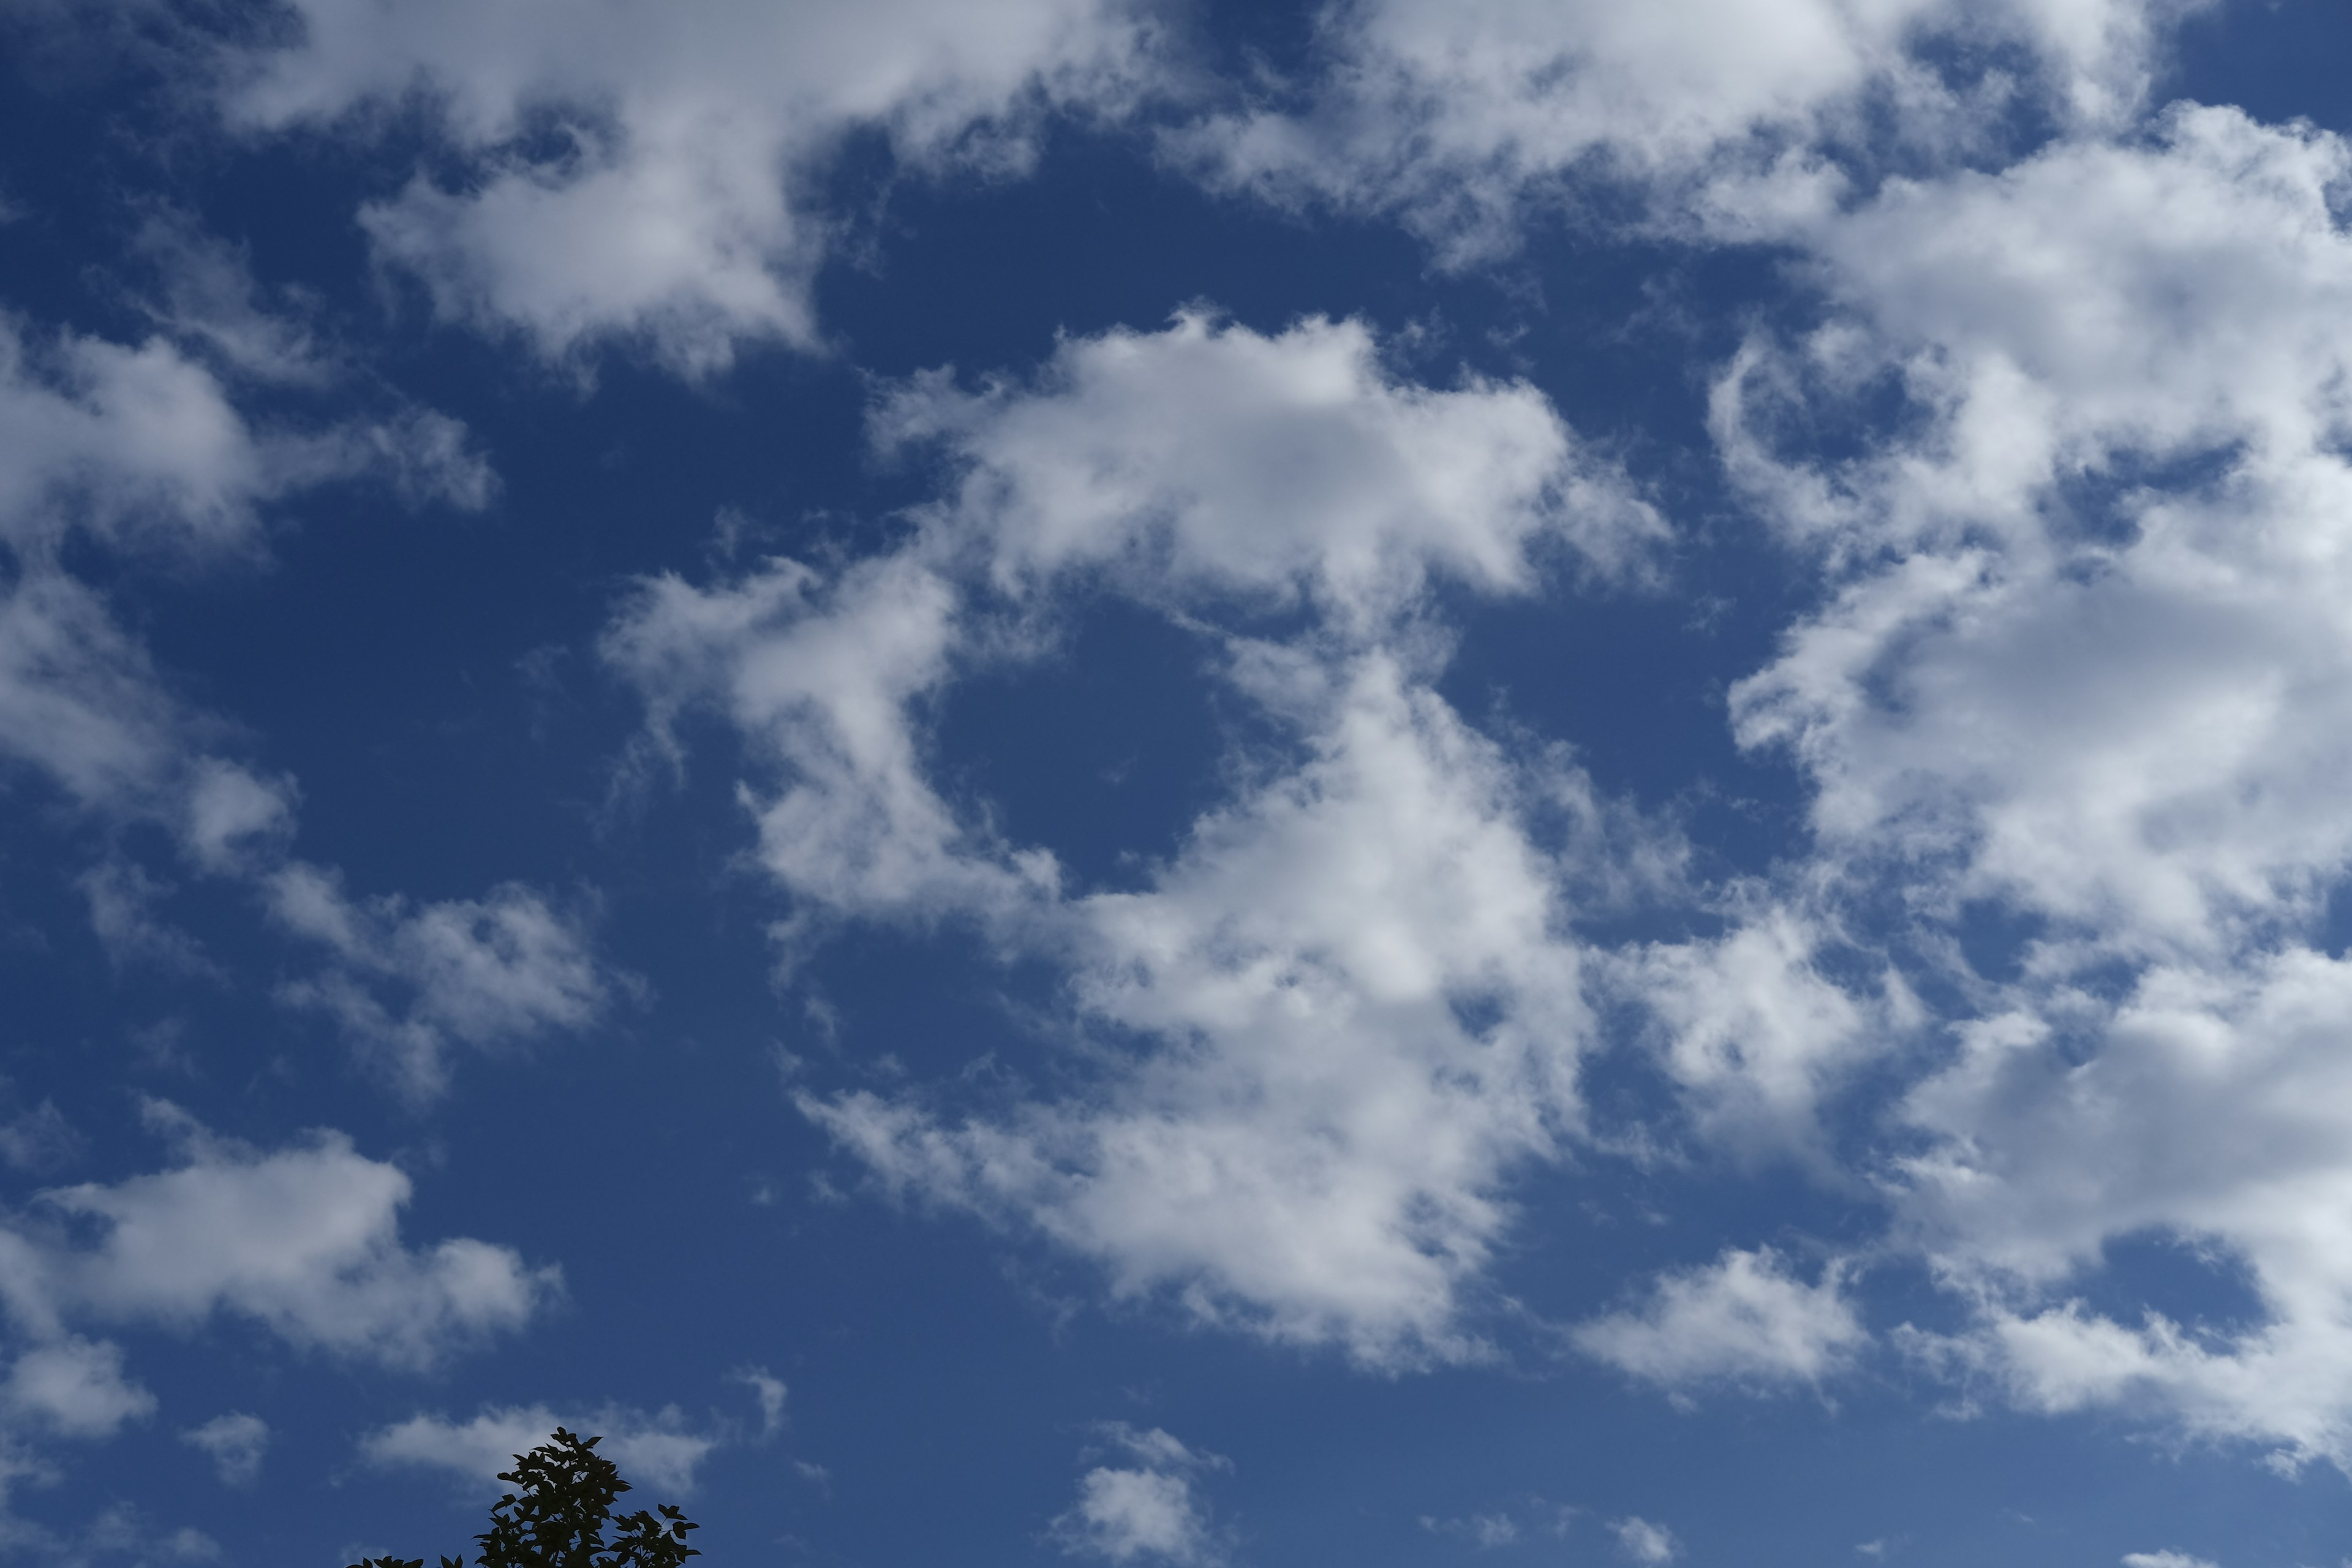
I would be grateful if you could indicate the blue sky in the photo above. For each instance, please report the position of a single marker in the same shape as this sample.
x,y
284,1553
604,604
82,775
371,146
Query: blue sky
x,y
1081,782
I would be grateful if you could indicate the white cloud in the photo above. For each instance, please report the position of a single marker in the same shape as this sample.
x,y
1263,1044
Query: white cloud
x,y
1348,1005
768,1390
2083,664
2121,712
234,1443
38,1139
74,1387
1457,113
144,446
1644,1543
1486,1531
819,677
653,1450
2210,1113
1147,1511
2164,1559
631,179
1755,1035
1745,1319
1206,460
475,971
305,1241
122,899
1314,1147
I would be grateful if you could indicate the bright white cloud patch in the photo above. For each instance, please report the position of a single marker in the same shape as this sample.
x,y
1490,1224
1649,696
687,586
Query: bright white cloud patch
x,y
2164,1559
632,178
656,1450
1206,460
1456,114
74,1386
1315,1147
1642,1542
304,1241
1756,1035
1145,1510
1314,1142
1747,1319
2086,665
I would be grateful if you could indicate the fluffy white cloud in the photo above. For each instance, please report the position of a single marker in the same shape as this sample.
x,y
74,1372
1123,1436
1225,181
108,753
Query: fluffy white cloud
x,y
1745,1319
1191,465
819,675
654,1450
2165,1559
2083,664
74,1386
143,445
2107,670
1644,1543
634,178
475,971
234,1443
1361,1019
2211,1113
1208,459
1347,1004
1146,1510
1754,1034
1454,113
304,1240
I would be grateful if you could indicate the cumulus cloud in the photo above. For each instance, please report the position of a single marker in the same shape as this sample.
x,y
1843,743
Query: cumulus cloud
x,y
145,446
1458,116
1212,460
2082,664
74,1386
304,1241
1642,1542
1315,1147
1144,1510
1746,1320
628,179
2115,651
234,1443
1347,1004
474,972
1757,1039
656,1450
2164,1559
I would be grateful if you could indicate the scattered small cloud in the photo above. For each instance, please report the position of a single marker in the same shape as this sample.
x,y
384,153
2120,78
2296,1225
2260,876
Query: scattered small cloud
x,y
235,1443
1644,1543
1145,1510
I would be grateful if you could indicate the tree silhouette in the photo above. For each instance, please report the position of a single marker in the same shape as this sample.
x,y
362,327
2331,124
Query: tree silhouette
x,y
558,1514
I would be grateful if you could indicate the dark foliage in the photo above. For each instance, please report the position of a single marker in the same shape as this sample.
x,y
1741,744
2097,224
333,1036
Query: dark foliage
x,y
558,1514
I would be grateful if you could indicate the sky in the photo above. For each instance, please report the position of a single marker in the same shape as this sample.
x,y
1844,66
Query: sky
x,y
1180,784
